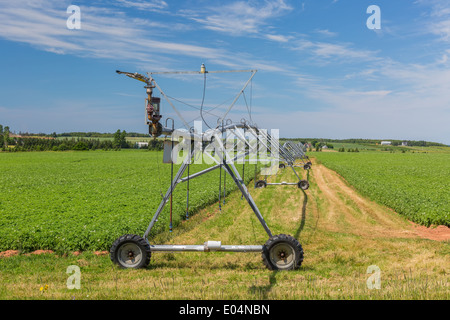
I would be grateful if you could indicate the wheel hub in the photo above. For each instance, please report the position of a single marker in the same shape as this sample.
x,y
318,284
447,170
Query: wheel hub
x,y
282,255
129,255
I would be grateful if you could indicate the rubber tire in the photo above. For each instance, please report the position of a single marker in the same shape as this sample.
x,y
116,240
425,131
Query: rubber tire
x,y
131,239
260,184
282,166
282,239
307,166
303,184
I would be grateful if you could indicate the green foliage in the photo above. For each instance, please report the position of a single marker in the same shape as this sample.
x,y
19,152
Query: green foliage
x,y
6,140
120,140
415,185
318,146
55,142
155,144
80,146
95,134
51,144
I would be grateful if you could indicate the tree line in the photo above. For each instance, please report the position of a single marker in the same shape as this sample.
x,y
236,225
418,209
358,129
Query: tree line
x,y
412,143
117,141
49,143
79,134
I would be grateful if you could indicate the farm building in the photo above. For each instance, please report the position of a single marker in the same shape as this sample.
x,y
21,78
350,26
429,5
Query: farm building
x,y
385,143
140,145
404,143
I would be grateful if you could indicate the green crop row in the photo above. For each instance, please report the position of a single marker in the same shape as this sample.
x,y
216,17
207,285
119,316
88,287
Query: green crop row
x,y
414,185
68,201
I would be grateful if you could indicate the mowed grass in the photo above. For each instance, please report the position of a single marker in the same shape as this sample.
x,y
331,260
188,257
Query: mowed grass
x,y
339,246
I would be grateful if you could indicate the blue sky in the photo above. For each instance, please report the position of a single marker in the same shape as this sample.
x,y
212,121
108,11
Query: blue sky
x,y
321,72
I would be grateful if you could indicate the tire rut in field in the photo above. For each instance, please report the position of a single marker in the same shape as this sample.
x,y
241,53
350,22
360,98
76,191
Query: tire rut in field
x,y
365,217
346,211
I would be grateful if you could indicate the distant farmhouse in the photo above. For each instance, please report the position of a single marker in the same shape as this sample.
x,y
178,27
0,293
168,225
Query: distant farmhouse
x,y
386,143
404,143
140,145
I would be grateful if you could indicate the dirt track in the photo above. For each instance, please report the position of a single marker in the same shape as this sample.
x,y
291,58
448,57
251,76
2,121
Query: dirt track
x,y
347,211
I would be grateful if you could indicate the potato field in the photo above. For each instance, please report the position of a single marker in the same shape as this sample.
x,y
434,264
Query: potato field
x,y
67,201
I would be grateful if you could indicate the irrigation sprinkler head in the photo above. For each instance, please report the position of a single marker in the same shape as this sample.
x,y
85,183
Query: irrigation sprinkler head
x,y
152,104
155,129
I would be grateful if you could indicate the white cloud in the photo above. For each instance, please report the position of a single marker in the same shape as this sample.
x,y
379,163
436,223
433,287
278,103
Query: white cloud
x,y
326,32
240,17
325,51
398,87
107,33
388,98
154,5
278,37
442,29
377,93
438,19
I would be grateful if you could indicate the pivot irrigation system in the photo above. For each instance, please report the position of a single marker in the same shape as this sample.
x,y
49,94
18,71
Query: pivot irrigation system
x,y
280,252
289,154
297,151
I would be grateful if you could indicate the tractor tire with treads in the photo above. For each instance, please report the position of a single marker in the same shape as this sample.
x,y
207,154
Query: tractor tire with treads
x,y
282,252
130,251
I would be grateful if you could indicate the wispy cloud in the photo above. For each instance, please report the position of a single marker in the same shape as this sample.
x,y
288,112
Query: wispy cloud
x,y
241,17
107,33
438,22
400,90
278,37
326,33
153,5
441,28
326,52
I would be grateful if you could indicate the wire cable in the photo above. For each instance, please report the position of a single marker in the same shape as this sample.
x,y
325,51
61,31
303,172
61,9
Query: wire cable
x,y
203,100
195,107
251,99
246,104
